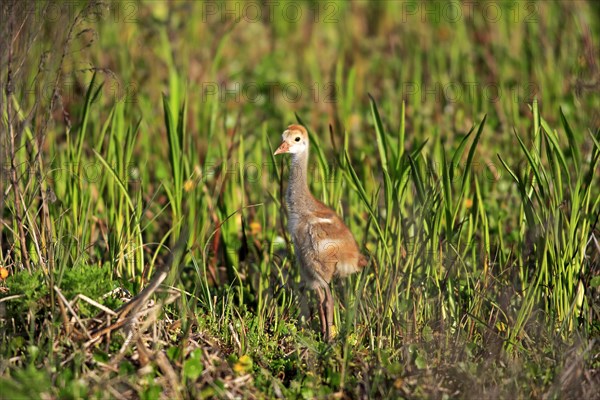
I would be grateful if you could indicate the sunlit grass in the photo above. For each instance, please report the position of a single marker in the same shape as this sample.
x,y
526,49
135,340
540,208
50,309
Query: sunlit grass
x,y
478,208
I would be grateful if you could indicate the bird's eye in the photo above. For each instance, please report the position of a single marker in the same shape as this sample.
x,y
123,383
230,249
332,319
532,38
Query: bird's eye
x,y
297,138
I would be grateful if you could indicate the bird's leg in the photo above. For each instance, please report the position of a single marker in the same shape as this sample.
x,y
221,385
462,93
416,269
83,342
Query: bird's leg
x,y
329,314
321,300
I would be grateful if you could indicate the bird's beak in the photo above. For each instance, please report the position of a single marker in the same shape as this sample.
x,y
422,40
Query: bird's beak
x,y
283,148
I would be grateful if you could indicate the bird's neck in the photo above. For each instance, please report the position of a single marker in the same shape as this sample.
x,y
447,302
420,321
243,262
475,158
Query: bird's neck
x,y
298,195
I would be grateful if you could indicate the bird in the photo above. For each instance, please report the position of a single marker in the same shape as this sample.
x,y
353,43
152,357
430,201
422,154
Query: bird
x,y
323,244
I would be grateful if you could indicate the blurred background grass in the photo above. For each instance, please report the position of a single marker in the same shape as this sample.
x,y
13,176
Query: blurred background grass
x,y
123,122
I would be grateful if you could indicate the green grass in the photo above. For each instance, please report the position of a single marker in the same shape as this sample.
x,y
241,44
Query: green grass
x,y
462,153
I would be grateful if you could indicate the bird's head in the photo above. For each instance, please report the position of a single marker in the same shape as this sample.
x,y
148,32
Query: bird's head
x,y
294,140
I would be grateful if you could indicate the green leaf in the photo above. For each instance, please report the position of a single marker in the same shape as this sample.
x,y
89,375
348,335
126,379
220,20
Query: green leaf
x,y
381,138
417,179
534,167
459,152
510,171
427,333
467,173
193,367
420,361
572,143
173,352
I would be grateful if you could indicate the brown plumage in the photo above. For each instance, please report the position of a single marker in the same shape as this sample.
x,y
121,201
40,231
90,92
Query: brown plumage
x,y
324,245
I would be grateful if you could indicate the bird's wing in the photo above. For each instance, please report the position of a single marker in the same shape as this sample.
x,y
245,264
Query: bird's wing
x,y
328,236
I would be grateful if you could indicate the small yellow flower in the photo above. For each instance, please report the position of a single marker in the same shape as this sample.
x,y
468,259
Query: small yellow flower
x,y
189,185
3,273
244,364
255,228
333,332
501,326
468,203
398,383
